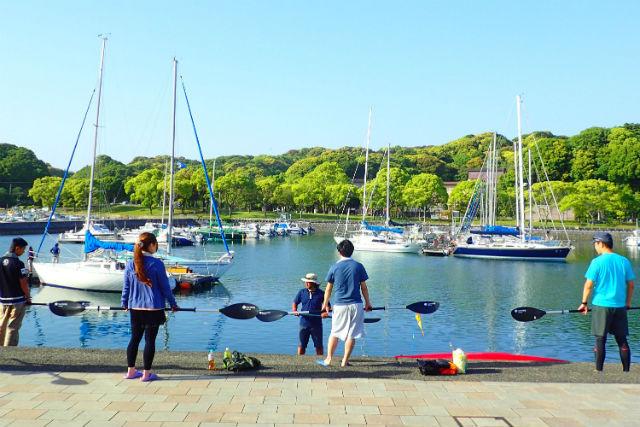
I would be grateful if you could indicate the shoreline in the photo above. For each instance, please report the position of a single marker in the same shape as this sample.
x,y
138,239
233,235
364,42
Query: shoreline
x,y
37,227
50,359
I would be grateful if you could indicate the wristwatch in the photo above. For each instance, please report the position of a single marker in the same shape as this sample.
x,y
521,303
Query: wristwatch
x,y
584,303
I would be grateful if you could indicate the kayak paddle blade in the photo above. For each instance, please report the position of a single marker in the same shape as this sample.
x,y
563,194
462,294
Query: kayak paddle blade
x,y
424,307
241,310
270,315
371,319
527,314
67,308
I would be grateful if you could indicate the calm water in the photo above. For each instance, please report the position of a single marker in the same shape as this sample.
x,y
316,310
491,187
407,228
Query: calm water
x,y
475,297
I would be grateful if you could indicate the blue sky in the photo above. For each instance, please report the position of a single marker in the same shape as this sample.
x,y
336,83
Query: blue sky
x,y
268,76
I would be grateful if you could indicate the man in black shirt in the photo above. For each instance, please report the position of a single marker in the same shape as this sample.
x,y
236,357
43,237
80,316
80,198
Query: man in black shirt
x,y
14,292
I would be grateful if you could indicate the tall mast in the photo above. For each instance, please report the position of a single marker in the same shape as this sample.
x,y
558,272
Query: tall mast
x,y
164,193
520,180
494,179
530,195
173,153
366,166
213,188
388,218
487,182
515,181
95,134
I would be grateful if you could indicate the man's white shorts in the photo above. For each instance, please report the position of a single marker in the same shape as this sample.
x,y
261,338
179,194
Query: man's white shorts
x,y
347,321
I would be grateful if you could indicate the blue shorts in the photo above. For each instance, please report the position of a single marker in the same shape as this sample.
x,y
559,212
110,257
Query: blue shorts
x,y
315,332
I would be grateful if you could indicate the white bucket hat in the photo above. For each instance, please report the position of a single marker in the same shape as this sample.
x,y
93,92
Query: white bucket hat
x,y
311,277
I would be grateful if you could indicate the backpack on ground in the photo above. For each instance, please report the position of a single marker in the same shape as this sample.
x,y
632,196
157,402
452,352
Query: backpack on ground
x,y
240,362
437,367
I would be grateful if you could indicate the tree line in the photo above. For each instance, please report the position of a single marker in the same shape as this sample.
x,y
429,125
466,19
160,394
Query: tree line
x,y
596,173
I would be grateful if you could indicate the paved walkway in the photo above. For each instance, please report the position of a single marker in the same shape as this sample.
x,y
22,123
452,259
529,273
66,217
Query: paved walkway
x,y
99,399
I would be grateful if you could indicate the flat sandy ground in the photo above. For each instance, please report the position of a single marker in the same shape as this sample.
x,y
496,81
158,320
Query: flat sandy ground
x,y
45,359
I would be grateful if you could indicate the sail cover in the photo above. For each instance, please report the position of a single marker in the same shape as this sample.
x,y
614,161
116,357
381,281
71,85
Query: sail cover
x,y
497,230
380,228
91,243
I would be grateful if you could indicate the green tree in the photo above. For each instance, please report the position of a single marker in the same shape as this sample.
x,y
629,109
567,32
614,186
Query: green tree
x,y
45,189
341,195
76,193
623,157
19,167
283,196
546,194
109,178
594,200
460,195
556,156
424,191
146,188
630,203
238,188
377,190
267,187
183,189
588,155
270,165
313,189
301,168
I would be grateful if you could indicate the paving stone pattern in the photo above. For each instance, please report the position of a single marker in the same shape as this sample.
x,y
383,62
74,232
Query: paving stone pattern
x,y
106,399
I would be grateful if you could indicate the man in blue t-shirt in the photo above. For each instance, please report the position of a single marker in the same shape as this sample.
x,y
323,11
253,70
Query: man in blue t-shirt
x,y
310,299
610,277
348,279
55,251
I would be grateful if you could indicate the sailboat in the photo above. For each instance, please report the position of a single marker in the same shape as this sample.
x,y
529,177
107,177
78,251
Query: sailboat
x,y
217,266
634,239
97,271
377,238
102,269
500,242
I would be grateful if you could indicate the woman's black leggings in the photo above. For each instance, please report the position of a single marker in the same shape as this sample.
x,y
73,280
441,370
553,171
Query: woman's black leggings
x,y
623,346
150,333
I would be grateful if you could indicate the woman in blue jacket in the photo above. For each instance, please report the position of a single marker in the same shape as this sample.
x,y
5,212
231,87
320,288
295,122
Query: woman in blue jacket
x,y
146,287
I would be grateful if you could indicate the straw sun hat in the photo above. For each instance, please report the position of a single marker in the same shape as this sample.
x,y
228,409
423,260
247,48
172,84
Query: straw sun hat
x,y
311,277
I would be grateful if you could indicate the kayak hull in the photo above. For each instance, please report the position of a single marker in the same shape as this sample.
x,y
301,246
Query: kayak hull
x,y
486,356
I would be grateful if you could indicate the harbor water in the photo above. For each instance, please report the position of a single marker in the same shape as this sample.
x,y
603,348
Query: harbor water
x,y
475,298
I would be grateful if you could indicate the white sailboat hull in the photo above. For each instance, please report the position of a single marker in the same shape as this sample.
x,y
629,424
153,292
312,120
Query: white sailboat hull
x,y
97,276
379,244
634,239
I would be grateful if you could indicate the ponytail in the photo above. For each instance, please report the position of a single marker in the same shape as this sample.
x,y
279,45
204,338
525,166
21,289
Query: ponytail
x,y
142,244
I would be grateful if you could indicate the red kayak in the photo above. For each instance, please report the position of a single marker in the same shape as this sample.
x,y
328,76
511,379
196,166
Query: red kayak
x,y
486,356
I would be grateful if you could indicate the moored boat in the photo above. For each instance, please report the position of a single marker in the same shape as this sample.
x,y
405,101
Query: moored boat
x,y
634,239
492,241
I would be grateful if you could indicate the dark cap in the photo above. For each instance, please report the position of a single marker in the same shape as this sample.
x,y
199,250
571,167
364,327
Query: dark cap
x,y
604,237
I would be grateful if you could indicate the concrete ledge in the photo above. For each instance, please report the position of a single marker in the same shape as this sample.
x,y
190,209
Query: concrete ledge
x,y
45,359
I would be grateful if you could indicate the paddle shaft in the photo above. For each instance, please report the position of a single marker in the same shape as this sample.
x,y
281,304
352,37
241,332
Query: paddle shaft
x,y
578,311
192,309
366,319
